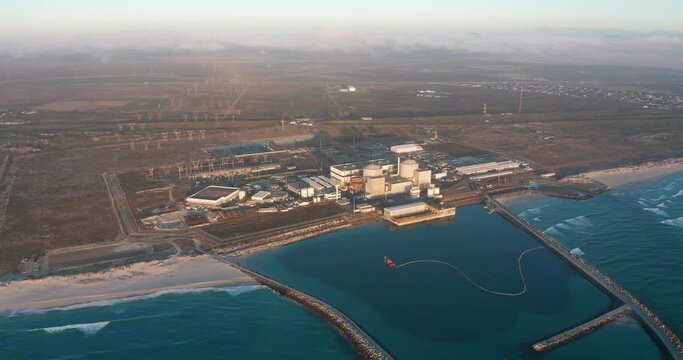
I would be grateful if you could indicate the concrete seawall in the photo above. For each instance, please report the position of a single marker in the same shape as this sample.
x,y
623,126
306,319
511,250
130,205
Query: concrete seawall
x,y
652,323
363,344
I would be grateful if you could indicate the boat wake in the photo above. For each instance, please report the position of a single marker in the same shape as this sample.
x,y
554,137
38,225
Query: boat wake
x,y
87,329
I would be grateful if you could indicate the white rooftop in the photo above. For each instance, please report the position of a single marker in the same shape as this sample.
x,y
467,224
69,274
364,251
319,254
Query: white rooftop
x,y
260,195
406,148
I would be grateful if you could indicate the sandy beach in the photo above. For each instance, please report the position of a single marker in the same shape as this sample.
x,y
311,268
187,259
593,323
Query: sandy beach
x,y
123,282
621,176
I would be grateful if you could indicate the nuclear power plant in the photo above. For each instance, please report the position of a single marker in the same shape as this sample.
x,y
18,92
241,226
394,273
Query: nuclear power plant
x,y
409,178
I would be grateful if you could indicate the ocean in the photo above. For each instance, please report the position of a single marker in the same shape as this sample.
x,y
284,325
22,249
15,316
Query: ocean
x,y
242,322
634,234
457,309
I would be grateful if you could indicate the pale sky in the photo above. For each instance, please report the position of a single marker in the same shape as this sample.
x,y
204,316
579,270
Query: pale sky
x,y
68,17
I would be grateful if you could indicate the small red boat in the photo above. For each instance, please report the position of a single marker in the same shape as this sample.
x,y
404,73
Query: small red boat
x,y
388,262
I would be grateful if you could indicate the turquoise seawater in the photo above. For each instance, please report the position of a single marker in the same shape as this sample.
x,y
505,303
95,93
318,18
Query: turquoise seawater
x,y
421,311
431,311
246,322
634,234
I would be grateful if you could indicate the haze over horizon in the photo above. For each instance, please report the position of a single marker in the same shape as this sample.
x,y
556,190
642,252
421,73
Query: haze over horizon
x,y
582,32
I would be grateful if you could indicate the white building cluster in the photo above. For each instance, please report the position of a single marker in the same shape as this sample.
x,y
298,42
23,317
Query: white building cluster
x,y
408,179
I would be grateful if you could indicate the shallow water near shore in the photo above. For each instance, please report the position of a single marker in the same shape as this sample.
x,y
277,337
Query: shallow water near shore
x,y
242,322
428,310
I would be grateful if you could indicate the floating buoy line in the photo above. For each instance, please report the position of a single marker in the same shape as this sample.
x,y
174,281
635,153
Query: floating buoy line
x,y
470,280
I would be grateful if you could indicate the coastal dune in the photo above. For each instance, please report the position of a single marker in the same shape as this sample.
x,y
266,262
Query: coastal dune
x,y
175,274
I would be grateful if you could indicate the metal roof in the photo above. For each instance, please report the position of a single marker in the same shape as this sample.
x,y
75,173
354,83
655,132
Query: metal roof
x,y
213,192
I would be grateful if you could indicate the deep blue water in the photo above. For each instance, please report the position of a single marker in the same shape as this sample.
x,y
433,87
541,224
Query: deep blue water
x,y
633,234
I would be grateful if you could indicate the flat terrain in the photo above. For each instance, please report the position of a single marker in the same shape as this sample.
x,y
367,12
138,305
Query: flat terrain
x,y
66,120
252,221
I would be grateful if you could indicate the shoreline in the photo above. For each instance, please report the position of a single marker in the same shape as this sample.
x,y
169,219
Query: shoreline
x,y
626,175
139,279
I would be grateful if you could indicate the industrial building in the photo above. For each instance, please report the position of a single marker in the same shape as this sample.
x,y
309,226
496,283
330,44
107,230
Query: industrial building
x,y
407,168
261,196
324,187
301,189
486,167
398,211
410,179
345,173
491,175
416,212
406,148
422,178
398,185
214,196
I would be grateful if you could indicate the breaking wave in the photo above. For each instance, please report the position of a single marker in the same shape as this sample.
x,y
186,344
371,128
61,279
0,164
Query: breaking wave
x,y
679,193
657,211
232,290
552,231
674,222
579,221
574,223
530,212
87,329
663,205
660,198
577,251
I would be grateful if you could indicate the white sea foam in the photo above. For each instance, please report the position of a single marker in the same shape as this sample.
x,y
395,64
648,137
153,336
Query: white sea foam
x,y
577,251
579,221
657,211
87,329
551,231
643,203
660,198
535,211
674,222
530,212
679,193
563,226
232,290
663,205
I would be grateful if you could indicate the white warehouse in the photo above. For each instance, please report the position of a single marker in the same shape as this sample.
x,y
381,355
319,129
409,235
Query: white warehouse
x,y
214,196
406,148
486,167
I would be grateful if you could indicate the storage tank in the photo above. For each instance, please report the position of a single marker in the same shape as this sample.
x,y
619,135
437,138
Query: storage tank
x,y
372,170
407,168
415,192
374,186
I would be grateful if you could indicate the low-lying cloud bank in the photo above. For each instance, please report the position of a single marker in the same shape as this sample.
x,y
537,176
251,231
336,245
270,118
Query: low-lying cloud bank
x,y
573,46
